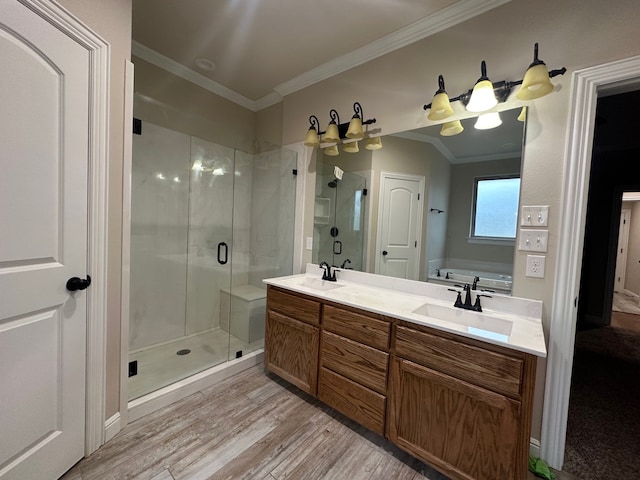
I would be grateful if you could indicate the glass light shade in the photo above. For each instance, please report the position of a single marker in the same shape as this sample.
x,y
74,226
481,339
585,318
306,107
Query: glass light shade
x,y
332,134
355,128
312,139
482,98
488,121
351,147
451,128
331,151
536,83
440,107
374,143
523,114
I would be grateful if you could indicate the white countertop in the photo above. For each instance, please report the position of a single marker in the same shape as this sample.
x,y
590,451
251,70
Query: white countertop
x,y
507,321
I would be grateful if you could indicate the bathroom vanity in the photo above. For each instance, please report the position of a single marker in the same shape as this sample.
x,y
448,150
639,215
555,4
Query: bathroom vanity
x,y
450,386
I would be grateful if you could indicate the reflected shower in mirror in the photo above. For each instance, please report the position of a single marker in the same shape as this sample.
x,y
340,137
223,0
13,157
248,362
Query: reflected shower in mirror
x,y
454,238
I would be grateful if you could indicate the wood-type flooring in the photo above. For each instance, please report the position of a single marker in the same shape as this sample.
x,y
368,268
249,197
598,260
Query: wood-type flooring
x,y
252,426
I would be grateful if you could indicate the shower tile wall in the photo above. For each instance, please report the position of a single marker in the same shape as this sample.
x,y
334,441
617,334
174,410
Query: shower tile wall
x,y
159,221
272,215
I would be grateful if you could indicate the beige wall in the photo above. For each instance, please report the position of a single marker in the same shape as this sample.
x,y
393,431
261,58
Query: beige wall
x,y
460,206
393,88
112,21
172,102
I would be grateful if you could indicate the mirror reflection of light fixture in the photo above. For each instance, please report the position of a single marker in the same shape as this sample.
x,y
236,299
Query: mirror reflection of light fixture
x,y
374,143
487,121
536,81
351,147
451,128
485,94
338,132
523,114
440,106
331,151
483,97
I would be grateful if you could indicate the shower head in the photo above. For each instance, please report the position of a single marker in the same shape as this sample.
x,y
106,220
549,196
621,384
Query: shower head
x,y
333,183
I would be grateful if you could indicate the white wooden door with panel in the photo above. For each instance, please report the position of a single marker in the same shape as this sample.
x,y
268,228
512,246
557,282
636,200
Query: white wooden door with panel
x,y
44,98
399,225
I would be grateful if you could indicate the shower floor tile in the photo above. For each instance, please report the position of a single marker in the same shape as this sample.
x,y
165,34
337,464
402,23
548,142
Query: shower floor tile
x,y
160,365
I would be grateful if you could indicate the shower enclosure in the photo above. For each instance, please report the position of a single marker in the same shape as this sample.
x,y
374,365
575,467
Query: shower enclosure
x,y
208,223
339,218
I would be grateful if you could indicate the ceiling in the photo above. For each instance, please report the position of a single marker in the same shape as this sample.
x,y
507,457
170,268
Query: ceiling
x,y
263,50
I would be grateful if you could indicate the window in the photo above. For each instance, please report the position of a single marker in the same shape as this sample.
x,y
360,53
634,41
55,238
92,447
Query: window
x,y
495,208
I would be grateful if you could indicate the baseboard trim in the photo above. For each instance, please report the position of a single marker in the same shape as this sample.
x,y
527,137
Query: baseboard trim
x,y
142,406
112,426
534,447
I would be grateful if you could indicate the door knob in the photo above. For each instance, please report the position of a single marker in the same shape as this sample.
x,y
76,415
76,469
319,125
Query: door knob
x,y
384,252
76,283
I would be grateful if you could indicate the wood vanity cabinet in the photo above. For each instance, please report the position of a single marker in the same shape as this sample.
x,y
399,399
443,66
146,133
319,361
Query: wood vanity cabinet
x,y
354,361
292,338
461,405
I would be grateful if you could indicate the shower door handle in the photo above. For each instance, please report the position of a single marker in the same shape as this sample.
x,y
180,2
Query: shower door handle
x,y
221,260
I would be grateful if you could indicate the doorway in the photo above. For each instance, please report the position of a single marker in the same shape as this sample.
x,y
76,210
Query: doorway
x,y
603,420
399,225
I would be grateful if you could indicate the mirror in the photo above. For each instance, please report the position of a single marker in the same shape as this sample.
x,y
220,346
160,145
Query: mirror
x,y
347,216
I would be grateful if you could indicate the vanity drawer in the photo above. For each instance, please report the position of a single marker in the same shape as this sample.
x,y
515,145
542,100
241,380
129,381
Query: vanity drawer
x,y
294,306
496,371
353,400
358,362
360,327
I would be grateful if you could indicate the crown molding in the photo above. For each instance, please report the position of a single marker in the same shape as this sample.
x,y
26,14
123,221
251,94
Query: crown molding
x,y
439,21
166,63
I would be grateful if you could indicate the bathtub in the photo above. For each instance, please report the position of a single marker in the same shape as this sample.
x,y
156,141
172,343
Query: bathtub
x,y
499,282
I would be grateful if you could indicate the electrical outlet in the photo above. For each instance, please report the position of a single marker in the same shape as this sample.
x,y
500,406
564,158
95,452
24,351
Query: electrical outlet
x,y
535,266
309,243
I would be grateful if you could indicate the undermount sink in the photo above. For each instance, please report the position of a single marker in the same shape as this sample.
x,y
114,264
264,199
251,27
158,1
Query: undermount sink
x,y
477,323
318,284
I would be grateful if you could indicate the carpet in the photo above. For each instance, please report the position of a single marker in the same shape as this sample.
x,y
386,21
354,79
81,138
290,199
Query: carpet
x,y
603,429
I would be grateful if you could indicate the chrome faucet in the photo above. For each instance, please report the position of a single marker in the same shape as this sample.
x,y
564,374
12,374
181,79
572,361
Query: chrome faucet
x,y
328,275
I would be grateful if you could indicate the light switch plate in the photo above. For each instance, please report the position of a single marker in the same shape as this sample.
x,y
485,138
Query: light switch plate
x,y
531,240
534,216
535,266
309,243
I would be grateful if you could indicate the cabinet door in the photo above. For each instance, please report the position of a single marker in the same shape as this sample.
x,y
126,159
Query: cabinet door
x,y
291,350
465,431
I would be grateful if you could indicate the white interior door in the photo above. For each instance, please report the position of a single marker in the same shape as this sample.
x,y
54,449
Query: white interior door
x,y
399,225
621,257
43,243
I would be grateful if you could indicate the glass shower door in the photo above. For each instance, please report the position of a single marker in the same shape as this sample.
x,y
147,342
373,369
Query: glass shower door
x,y
210,239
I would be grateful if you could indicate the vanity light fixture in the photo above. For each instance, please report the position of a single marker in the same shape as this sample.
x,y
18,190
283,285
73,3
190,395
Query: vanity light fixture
x,y
440,106
483,97
486,94
337,132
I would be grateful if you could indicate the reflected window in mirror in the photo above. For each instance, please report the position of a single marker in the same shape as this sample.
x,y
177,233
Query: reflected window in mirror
x,y
495,208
